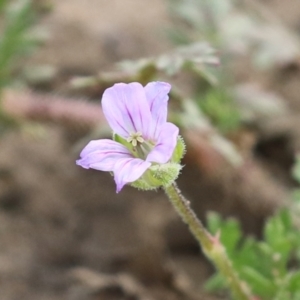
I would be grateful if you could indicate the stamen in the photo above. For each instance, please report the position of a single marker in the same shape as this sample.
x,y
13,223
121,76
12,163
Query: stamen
x,y
135,139
140,147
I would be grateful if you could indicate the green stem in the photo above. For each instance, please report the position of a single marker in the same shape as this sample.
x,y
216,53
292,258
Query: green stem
x,y
211,245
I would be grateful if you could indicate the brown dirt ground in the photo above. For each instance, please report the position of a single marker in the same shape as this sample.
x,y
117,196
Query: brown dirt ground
x,y
64,233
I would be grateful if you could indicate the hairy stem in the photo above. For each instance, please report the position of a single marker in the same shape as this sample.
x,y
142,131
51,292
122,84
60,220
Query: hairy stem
x,y
211,245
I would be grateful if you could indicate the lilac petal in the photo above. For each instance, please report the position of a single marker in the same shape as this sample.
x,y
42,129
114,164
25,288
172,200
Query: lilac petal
x,y
129,170
102,155
166,143
126,109
157,97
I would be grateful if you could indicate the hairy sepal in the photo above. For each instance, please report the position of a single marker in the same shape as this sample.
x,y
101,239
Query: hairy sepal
x,y
158,176
179,150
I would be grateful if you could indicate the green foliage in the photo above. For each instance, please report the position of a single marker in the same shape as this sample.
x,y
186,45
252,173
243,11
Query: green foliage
x,y
15,40
197,58
202,19
234,27
270,266
219,107
16,17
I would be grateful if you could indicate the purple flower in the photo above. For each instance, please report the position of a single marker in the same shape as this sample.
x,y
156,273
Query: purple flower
x,y
138,118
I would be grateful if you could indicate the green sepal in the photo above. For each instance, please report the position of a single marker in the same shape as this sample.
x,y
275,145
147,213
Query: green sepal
x,y
157,176
179,151
122,141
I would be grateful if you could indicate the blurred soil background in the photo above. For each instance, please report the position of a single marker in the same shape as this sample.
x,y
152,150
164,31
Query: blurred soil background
x,y
64,232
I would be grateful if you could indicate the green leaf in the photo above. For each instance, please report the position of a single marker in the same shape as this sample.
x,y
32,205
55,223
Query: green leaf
x,y
294,282
278,235
2,5
218,105
247,254
230,231
296,296
214,222
215,283
286,219
260,284
274,231
262,264
14,40
230,235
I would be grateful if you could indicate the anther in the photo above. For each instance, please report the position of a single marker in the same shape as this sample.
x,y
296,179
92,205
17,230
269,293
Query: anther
x,y
135,138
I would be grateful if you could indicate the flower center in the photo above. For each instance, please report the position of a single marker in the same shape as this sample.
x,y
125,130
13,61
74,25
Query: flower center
x,y
135,139
140,147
